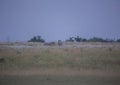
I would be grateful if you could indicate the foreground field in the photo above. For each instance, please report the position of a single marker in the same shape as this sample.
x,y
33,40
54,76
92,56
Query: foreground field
x,y
69,64
59,80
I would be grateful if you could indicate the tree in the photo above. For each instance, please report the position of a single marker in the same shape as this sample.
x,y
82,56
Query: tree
x,y
36,39
71,39
78,39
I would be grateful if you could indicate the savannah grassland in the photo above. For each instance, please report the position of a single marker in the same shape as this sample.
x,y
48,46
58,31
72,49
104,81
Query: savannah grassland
x,y
70,64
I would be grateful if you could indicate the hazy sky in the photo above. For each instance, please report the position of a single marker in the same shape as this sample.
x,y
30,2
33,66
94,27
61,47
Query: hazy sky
x,y
59,19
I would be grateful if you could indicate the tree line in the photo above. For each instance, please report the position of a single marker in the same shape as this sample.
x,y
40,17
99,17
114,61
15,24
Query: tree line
x,y
75,39
94,39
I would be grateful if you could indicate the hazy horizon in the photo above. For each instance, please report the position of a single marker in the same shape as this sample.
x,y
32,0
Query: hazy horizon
x,y
55,20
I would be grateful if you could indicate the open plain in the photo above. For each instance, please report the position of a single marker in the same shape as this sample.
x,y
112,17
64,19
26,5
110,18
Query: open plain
x,y
84,63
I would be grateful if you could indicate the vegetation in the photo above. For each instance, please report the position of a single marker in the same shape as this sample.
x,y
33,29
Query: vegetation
x,y
94,39
78,39
75,39
71,39
72,58
82,63
59,80
37,39
118,40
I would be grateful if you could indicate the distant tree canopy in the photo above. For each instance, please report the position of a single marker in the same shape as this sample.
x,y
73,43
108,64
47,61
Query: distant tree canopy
x,y
36,39
79,39
94,39
71,39
75,39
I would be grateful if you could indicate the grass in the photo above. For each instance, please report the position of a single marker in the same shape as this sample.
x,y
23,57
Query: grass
x,y
58,80
77,58
78,64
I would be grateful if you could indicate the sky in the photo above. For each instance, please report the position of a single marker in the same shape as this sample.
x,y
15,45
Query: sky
x,y
55,20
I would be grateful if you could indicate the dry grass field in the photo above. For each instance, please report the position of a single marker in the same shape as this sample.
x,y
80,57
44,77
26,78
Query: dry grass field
x,y
70,64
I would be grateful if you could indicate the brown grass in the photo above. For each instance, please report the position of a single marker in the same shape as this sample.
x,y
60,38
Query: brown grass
x,y
78,58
